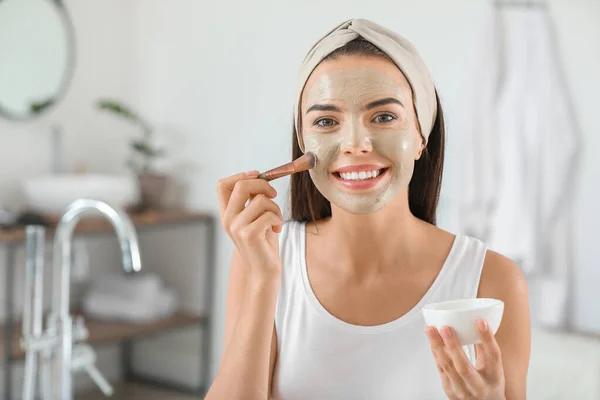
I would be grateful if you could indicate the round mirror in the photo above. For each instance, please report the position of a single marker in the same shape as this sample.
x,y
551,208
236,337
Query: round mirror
x,y
36,56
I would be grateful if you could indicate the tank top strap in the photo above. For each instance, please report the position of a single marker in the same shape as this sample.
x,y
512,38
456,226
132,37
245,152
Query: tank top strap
x,y
461,278
289,250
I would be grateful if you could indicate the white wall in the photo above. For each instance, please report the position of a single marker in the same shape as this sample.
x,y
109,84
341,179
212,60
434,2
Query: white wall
x,y
218,77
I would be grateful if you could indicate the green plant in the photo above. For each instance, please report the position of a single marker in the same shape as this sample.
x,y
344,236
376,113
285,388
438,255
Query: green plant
x,y
142,147
36,107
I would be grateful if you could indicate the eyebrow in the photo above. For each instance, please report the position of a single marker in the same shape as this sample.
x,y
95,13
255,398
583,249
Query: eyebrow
x,y
373,104
323,107
383,102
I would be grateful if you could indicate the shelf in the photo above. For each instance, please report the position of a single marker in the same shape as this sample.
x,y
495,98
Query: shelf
x,y
109,331
129,391
96,224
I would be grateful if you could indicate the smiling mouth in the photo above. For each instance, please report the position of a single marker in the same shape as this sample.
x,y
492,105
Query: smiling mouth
x,y
360,176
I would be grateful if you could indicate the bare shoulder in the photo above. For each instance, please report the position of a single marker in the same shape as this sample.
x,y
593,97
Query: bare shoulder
x,y
501,278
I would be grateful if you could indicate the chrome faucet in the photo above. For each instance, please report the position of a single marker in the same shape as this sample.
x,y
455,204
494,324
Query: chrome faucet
x,y
59,357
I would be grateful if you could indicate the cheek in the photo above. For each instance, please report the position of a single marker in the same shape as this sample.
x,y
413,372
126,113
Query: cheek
x,y
399,147
325,146
408,148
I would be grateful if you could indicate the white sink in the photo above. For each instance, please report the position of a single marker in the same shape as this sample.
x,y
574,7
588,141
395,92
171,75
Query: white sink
x,y
51,194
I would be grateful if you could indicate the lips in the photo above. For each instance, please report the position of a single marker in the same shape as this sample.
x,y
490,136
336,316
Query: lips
x,y
361,177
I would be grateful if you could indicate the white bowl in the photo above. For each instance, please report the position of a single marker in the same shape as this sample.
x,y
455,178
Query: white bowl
x,y
53,193
462,315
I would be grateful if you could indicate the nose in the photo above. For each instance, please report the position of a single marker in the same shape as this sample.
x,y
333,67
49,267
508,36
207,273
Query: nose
x,y
356,140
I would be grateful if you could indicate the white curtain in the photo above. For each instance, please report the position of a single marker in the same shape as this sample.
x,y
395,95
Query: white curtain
x,y
519,139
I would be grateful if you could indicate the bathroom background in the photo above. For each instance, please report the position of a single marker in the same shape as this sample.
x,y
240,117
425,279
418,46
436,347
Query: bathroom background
x,y
216,81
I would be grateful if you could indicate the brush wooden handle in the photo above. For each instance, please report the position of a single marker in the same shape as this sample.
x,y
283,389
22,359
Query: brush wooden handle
x,y
302,163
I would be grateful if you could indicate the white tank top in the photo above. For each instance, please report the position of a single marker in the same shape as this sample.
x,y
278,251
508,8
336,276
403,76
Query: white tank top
x,y
323,357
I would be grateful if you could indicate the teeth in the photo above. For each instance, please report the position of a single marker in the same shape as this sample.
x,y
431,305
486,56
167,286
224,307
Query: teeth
x,y
357,176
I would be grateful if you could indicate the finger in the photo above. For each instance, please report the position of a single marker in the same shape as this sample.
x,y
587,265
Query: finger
x,y
491,351
469,375
257,206
225,187
437,348
479,357
435,340
448,371
261,225
242,191
448,387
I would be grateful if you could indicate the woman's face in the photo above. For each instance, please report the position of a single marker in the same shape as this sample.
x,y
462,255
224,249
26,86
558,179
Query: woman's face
x,y
357,116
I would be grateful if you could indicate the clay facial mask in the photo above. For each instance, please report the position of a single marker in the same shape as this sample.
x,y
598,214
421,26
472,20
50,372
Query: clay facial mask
x,y
386,134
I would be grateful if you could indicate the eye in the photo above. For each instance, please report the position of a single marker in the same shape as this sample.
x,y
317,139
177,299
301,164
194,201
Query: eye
x,y
384,118
325,122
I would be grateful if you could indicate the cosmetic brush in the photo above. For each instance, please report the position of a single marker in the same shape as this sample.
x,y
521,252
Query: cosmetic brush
x,y
302,163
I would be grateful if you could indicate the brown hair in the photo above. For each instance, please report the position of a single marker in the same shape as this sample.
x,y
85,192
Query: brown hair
x,y
308,204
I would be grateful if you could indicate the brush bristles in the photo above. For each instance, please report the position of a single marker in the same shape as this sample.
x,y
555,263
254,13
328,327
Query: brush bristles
x,y
305,162
312,160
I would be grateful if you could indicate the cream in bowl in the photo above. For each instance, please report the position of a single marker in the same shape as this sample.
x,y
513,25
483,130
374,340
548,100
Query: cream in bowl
x,y
462,316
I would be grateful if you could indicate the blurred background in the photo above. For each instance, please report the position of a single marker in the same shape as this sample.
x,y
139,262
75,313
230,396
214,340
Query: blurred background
x,y
146,104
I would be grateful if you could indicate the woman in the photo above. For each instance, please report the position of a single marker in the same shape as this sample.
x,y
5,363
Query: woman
x,y
327,305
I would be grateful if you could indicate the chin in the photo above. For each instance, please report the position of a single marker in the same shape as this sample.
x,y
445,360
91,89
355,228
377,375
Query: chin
x,y
356,206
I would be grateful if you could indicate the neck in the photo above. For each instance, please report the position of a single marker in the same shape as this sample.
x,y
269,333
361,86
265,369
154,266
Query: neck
x,y
363,242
